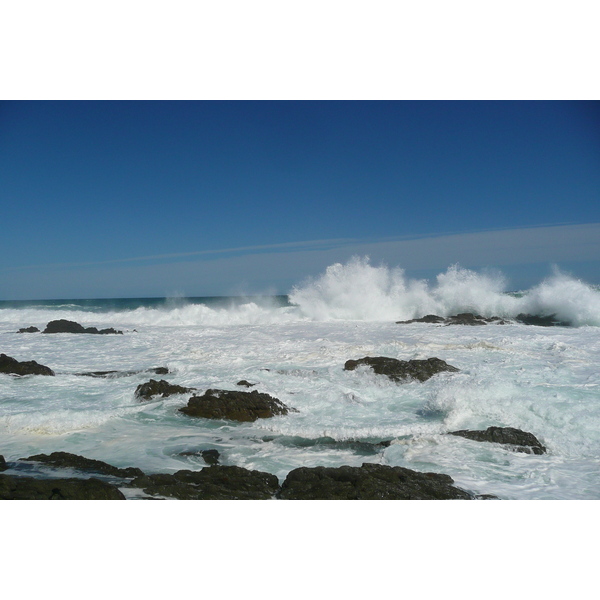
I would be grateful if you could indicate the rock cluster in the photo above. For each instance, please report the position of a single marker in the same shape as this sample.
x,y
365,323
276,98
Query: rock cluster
x,y
402,370
234,406
460,319
29,367
64,326
521,441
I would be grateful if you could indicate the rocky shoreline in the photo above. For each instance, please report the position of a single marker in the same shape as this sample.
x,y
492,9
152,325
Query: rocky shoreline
x,y
94,479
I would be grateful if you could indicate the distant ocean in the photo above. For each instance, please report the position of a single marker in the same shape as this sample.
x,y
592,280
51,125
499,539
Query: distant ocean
x,y
543,380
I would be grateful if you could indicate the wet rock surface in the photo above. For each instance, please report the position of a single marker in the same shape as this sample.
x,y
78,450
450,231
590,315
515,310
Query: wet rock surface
x,y
30,367
402,370
29,488
359,447
459,319
218,482
85,465
541,321
235,406
368,482
245,383
65,326
210,457
3,466
116,374
162,388
28,330
521,441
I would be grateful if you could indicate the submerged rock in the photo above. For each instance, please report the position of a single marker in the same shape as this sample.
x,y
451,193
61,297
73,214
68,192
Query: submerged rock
x,y
217,482
245,383
211,457
64,326
115,374
85,465
360,447
369,482
28,330
459,319
160,388
402,370
235,406
29,488
29,367
543,321
522,441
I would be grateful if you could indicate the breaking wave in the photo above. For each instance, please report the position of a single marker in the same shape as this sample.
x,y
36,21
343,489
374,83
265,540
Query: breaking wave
x,y
359,291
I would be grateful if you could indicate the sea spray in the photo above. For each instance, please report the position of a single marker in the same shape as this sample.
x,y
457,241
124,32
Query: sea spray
x,y
363,292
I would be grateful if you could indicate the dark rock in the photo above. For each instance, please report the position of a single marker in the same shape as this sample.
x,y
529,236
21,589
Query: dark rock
x,y
3,466
217,482
29,488
64,326
425,319
369,482
460,319
159,371
245,383
235,406
28,330
115,374
402,370
30,367
86,465
362,448
521,440
211,457
159,388
546,321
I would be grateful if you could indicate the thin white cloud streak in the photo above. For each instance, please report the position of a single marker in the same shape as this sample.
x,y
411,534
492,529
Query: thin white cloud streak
x,y
255,272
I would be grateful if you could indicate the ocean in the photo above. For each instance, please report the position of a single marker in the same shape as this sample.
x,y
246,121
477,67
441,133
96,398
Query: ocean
x,y
543,380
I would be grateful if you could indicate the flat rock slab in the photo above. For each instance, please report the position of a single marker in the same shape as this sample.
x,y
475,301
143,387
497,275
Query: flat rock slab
x,y
64,326
217,482
369,482
402,370
235,406
13,366
85,465
522,441
29,488
160,388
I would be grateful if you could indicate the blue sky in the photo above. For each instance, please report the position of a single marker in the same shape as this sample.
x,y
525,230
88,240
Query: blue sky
x,y
152,198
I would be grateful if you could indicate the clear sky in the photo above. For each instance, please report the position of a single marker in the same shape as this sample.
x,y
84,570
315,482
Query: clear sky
x,y
152,198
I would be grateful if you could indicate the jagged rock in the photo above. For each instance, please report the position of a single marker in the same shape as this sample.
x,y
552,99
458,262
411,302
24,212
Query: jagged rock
x,y
160,388
29,488
3,466
520,440
30,367
217,482
425,319
402,370
235,406
85,465
245,383
64,326
369,482
546,321
159,370
28,329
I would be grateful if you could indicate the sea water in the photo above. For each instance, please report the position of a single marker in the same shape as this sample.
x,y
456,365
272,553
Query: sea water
x,y
544,380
